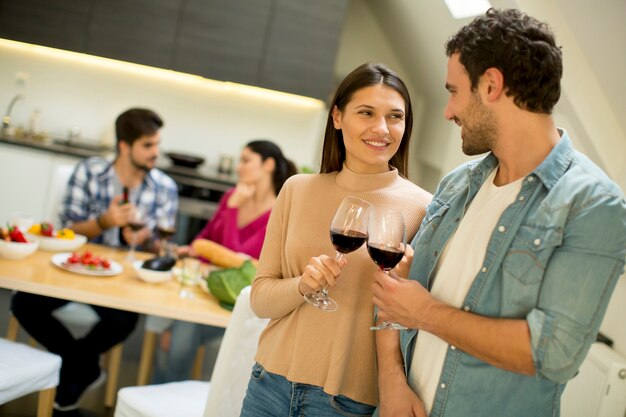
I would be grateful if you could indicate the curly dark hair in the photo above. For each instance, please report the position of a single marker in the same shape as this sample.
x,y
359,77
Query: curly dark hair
x,y
521,47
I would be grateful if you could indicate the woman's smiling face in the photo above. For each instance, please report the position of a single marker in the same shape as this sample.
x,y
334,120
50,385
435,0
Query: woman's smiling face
x,y
372,124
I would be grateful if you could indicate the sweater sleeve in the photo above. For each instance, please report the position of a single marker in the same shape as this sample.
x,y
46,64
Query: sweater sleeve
x,y
274,295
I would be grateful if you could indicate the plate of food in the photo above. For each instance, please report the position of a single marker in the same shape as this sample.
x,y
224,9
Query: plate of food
x,y
87,263
55,240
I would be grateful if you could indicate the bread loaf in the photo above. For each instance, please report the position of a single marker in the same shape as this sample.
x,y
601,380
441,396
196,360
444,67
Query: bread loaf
x,y
217,254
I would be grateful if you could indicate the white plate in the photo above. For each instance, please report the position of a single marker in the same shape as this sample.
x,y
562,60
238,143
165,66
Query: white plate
x,y
56,244
60,259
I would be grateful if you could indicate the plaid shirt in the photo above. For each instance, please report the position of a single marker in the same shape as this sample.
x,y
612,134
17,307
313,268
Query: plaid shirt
x,y
91,188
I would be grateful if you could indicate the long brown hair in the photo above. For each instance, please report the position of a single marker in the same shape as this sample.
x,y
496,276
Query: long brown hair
x,y
366,75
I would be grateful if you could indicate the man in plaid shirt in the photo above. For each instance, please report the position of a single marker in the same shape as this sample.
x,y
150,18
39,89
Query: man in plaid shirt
x,y
99,199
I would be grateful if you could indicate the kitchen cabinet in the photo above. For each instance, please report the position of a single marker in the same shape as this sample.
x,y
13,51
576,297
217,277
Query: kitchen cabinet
x,y
285,45
60,23
302,45
222,39
140,31
26,181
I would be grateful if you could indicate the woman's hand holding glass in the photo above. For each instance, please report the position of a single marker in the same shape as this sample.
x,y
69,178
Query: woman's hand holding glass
x,y
348,231
321,272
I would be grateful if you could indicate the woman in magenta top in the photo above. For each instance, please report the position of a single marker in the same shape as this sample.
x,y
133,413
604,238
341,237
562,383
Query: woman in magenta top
x,y
239,224
224,229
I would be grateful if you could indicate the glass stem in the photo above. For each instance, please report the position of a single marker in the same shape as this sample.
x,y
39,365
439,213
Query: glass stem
x,y
338,257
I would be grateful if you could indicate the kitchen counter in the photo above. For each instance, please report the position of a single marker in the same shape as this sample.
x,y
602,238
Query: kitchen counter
x,y
200,177
192,176
56,147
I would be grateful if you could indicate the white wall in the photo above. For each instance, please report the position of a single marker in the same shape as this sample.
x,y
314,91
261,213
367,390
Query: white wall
x,y
202,117
364,40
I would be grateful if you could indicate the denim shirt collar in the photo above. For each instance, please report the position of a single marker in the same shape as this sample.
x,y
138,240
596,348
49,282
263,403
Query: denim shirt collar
x,y
551,169
548,171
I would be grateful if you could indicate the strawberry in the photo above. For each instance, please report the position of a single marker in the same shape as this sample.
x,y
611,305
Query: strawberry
x,y
47,229
16,235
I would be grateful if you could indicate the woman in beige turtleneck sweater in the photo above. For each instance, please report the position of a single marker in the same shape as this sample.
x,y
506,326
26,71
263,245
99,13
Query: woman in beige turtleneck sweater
x,y
311,362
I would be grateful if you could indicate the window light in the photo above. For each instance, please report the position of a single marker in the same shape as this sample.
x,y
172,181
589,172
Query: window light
x,y
460,9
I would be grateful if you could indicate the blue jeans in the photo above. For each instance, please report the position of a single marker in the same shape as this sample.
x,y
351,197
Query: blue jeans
x,y
176,364
271,395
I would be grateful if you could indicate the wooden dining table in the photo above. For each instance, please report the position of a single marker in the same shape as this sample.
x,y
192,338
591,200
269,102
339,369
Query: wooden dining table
x,y
37,274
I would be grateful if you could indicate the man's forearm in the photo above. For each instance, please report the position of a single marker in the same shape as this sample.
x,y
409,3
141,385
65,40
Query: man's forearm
x,y
390,363
90,228
504,343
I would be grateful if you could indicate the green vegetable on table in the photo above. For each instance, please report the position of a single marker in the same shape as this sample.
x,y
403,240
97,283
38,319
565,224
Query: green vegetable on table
x,y
226,284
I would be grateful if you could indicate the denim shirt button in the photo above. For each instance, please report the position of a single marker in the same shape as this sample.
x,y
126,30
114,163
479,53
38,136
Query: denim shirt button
x,y
521,198
452,347
484,269
531,179
537,242
466,308
443,386
501,229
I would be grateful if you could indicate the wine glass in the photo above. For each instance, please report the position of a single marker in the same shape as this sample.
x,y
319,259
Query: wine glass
x,y
165,230
386,242
136,222
348,232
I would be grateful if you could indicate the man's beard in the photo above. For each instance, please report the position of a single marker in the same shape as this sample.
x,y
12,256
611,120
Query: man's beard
x,y
481,137
137,165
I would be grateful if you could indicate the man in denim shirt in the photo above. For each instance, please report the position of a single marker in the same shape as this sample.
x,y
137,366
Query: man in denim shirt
x,y
94,206
519,251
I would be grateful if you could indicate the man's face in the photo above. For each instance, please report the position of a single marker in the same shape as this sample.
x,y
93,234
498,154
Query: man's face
x,y
145,151
466,108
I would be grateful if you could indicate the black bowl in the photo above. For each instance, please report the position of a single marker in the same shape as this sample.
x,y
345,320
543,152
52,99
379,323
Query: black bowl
x,y
183,160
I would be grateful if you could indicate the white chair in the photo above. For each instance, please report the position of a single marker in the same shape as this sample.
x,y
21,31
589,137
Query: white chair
x,y
25,370
223,396
78,317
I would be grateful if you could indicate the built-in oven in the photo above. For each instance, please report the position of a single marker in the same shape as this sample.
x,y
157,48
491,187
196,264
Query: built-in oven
x,y
197,202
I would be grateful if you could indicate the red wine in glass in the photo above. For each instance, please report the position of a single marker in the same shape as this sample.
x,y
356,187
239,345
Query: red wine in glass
x,y
386,258
386,241
136,222
347,241
348,232
136,226
165,232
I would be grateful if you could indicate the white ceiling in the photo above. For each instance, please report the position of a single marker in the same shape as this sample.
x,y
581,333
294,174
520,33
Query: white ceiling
x,y
421,27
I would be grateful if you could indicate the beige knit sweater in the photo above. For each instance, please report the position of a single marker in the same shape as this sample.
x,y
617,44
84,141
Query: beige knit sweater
x,y
333,350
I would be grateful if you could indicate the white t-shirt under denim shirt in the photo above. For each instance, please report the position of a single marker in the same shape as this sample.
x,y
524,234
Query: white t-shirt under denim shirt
x,y
458,265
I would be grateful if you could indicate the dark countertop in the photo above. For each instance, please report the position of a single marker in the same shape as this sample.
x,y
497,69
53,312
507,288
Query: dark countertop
x,y
201,177
83,150
204,177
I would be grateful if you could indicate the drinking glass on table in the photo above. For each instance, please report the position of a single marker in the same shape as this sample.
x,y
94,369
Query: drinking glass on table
x,y
165,230
23,221
136,222
348,232
188,276
386,243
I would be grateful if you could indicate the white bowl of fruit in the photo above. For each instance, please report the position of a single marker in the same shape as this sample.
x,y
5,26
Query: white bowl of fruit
x,y
14,245
51,240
